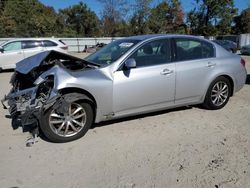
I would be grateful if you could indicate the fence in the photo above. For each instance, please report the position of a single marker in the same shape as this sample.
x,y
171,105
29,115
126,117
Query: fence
x,y
78,44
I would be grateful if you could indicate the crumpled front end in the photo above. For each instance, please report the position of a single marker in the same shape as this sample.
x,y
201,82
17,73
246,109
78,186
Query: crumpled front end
x,y
24,103
32,86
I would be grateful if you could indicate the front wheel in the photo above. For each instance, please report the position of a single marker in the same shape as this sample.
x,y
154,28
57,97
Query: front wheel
x,y
218,94
68,125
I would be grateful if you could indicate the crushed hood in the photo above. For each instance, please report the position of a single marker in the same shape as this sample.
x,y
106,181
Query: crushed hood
x,y
30,63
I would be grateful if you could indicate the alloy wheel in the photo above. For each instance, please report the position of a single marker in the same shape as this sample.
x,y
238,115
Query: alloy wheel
x,y
70,123
220,93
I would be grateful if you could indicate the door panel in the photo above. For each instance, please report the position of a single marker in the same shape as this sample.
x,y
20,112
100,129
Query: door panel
x,y
9,59
144,86
11,55
191,80
149,86
31,48
32,51
195,61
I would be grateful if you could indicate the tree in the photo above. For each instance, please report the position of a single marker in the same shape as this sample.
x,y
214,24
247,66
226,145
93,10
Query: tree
x,y
113,14
22,18
242,22
139,21
80,20
212,17
167,17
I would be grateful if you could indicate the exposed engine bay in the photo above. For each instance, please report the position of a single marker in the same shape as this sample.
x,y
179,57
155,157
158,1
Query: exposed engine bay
x,y
31,94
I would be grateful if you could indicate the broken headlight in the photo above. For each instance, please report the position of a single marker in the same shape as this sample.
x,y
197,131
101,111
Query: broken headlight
x,y
45,88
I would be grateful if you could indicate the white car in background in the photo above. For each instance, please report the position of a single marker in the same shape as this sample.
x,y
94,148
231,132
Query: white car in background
x,y
16,50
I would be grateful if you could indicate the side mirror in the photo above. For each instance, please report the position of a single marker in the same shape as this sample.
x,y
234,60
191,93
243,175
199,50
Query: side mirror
x,y
130,63
1,49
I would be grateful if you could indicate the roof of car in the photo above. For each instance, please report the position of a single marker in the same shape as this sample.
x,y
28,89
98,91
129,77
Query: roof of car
x,y
145,37
28,39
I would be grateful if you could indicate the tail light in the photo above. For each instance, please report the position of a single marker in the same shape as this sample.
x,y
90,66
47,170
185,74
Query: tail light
x,y
64,47
243,62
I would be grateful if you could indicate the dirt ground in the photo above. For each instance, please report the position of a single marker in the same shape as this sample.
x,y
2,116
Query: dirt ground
x,y
185,147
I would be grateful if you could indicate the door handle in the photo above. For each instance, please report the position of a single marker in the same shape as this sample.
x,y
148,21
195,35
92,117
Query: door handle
x,y
166,72
210,64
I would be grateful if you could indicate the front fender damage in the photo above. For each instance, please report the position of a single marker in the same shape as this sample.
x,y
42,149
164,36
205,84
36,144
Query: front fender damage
x,y
36,87
26,106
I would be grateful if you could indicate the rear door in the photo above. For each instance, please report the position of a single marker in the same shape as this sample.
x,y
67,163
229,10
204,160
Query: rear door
x,y
194,62
12,54
32,47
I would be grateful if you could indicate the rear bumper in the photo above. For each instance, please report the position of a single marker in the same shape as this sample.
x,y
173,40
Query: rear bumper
x,y
240,80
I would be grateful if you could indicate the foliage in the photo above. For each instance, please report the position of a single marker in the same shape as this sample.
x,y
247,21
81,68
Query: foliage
x,y
242,22
139,20
80,20
22,18
167,17
212,17
31,18
113,15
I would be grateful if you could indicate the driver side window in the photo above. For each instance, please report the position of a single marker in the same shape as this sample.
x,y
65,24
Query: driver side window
x,y
153,53
13,46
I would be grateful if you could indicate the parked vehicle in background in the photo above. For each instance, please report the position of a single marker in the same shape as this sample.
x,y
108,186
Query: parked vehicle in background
x,y
245,50
233,38
65,95
16,50
228,45
95,48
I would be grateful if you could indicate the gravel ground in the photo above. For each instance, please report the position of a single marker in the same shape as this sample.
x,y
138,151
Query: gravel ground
x,y
185,147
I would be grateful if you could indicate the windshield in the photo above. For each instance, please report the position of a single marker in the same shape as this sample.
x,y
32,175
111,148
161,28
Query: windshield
x,y
112,52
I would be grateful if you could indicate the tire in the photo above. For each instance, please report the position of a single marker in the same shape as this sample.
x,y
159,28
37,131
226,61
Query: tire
x,y
218,94
69,125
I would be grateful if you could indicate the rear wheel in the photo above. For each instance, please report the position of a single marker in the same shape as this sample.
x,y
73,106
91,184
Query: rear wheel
x,y
218,94
70,125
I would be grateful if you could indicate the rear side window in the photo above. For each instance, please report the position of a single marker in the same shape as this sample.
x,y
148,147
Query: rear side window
x,y
31,44
153,53
12,46
48,43
190,49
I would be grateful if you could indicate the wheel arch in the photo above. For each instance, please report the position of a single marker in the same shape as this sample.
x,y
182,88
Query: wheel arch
x,y
90,97
230,79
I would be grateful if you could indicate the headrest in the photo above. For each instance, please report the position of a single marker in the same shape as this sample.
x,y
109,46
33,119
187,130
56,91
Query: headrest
x,y
148,49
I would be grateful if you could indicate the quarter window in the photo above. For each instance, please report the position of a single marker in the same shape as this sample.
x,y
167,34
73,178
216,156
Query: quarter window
x,y
189,49
153,53
13,46
48,43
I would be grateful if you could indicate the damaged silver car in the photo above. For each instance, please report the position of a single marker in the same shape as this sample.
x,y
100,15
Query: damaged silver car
x,y
64,95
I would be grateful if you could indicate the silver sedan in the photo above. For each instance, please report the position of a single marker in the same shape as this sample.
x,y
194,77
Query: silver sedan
x,y
64,95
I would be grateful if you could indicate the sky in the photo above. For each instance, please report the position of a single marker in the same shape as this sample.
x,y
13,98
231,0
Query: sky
x,y
97,7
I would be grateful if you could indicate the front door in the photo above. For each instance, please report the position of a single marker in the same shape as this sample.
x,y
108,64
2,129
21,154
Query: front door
x,y
12,54
149,86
